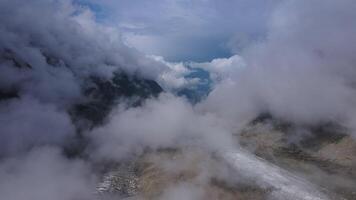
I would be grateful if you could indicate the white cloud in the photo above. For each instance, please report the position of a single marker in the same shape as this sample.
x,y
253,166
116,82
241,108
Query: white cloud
x,y
173,77
27,123
44,174
303,72
166,122
223,68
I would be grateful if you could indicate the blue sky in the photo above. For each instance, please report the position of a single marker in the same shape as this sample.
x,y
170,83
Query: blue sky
x,y
186,30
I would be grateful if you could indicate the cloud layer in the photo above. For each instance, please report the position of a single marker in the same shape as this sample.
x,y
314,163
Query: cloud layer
x,y
302,72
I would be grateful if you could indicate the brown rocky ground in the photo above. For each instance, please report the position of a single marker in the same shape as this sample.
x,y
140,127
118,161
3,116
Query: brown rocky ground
x,y
160,171
325,158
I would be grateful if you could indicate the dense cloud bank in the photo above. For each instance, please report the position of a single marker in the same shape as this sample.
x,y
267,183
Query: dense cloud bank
x,y
63,45
45,174
51,53
54,55
166,122
27,122
58,64
304,72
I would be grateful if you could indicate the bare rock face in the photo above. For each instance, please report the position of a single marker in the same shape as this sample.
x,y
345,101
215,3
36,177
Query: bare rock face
x,y
103,94
123,181
325,159
192,173
325,155
342,152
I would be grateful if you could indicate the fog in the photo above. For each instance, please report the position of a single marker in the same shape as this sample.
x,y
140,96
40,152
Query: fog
x,y
45,174
301,72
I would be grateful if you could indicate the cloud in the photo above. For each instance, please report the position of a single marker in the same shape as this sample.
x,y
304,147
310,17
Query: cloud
x,y
222,68
173,78
82,49
303,72
163,123
45,174
27,123
49,50
183,191
187,30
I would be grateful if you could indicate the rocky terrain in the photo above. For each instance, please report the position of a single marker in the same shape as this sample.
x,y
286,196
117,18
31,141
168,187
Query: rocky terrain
x,y
155,173
327,160
327,156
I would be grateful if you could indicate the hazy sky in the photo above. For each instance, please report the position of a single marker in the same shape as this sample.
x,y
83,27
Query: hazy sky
x,y
182,30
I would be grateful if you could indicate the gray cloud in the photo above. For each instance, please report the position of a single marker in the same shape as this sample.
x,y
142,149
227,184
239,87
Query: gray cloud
x,y
45,174
48,52
27,123
183,191
303,72
163,123
81,49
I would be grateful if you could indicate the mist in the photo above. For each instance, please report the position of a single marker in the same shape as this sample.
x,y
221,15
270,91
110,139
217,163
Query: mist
x,y
302,72
58,59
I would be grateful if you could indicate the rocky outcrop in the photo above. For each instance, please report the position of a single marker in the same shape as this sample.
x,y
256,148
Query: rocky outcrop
x,y
102,95
87,97
323,154
156,173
